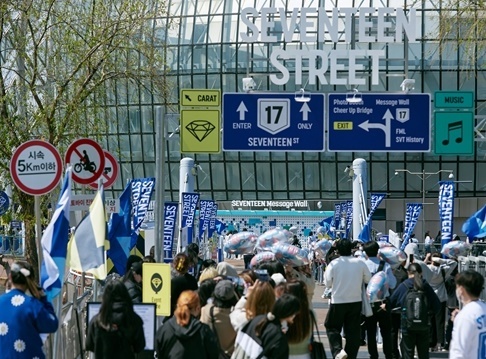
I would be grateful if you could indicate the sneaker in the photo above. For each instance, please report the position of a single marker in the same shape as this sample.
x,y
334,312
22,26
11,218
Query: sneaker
x,y
342,355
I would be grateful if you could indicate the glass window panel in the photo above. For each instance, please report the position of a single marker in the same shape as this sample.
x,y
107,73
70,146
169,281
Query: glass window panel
x,y
296,175
148,147
263,177
136,148
279,175
134,116
218,175
311,175
233,177
248,177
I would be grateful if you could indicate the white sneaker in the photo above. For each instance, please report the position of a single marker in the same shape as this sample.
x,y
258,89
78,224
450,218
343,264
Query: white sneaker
x,y
341,355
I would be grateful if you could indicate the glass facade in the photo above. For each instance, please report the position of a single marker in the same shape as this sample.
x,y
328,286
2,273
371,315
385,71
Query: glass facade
x,y
204,50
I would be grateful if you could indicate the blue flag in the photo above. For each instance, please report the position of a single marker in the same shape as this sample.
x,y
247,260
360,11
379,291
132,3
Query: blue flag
x,y
411,219
212,220
170,221
142,189
376,199
475,226
189,204
220,226
55,243
119,231
446,210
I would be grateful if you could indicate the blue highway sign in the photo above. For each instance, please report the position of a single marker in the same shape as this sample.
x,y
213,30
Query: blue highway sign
x,y
273,122
379,122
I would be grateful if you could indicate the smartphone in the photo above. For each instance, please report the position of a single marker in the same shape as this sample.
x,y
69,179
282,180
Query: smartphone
x,y
410,258
262,275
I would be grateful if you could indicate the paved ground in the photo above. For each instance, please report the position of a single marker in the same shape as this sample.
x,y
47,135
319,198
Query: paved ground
x,y
320,307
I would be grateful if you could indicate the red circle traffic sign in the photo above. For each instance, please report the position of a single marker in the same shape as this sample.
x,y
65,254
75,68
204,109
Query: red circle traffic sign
x,y
88,160
36,167
110,172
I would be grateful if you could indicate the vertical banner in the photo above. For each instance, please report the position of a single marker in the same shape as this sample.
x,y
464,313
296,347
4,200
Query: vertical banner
x,y
142,189
446,210
189,204
170,220
205,211
376,199
212,220
337,216
411,219
349,218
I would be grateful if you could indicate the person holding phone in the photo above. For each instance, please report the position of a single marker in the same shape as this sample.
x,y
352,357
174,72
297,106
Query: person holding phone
x,y
25,314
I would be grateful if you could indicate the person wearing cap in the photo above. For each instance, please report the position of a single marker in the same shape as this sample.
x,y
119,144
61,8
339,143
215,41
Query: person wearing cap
x,y
133,282
217,314
25,314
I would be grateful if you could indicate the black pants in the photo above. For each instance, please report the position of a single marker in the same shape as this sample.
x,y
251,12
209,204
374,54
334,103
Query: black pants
x,y
396,319
344,316
437,327
383,319
410,340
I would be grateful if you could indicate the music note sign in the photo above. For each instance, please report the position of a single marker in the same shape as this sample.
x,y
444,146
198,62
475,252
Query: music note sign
x,y
456,128
454,133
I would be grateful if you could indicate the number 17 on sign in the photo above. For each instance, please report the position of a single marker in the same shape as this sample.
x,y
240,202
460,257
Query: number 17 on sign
x,y
273,115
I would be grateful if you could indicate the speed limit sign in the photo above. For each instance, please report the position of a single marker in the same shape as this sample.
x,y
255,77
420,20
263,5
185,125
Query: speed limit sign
x,y
273,114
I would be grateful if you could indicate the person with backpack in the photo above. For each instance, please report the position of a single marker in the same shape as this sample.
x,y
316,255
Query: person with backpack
x,y
469,331
441,270
416,298
381,312
401,275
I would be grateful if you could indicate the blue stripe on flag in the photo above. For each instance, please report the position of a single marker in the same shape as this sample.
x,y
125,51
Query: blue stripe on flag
x,y
54,242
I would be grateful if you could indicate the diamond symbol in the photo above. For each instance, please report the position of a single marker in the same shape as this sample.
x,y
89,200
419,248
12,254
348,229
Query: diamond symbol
x,y
200,129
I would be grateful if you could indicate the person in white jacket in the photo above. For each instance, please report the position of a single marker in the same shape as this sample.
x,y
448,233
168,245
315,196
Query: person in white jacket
x,y
345,275
441,269
469,333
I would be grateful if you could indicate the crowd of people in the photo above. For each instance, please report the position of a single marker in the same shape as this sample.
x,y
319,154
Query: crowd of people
x,y
266,311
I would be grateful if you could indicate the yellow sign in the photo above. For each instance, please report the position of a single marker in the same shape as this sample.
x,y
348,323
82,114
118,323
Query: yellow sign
x,y
200,131
156,286
343,125
200,98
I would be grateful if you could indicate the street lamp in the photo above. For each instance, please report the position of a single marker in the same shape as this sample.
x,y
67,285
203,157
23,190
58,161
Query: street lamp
x,y
423,176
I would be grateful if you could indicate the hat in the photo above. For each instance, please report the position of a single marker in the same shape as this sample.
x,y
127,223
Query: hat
x,y
137,268
278,278
226,269
224,290
414,240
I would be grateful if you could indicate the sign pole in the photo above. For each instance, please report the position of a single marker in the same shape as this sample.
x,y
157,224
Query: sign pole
x,y
159,183
38,231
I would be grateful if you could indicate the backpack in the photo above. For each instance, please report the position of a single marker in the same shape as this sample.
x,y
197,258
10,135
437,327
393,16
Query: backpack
x,y
415,311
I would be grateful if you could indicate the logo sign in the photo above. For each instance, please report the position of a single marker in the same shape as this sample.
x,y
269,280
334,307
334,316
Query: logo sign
x,y
110,172
379,123
454,99
200,131
273,122
454,133
88,160
200,98
156,289
36,167
4,203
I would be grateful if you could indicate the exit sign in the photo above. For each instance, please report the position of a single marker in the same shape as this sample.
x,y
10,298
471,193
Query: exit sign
x,y
454,99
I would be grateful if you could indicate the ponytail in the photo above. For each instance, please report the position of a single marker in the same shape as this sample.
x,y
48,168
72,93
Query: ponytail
x,y
416,270
188,301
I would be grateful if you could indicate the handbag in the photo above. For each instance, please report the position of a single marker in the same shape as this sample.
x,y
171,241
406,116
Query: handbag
x,y
222,353
316,348
366,309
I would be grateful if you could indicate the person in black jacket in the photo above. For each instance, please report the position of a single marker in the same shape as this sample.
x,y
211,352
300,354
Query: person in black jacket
x,y
184,336
181,280
116,331
133,282
412,339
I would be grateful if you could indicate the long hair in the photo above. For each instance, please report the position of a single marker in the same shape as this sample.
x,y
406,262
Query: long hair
x,y
115,292
302,326
260,300
416,270
285,306
188,301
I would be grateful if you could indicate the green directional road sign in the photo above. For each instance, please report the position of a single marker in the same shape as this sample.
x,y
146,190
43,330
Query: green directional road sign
x,y
454,133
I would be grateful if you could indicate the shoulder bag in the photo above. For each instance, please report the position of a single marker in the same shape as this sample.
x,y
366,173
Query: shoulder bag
x,y
316,348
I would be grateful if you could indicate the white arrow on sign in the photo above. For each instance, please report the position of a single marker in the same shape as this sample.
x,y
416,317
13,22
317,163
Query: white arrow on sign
x,y
305,111
384,127
242,109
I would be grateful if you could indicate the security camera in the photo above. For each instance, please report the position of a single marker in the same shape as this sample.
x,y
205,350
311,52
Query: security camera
x,y
249,84
407,85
